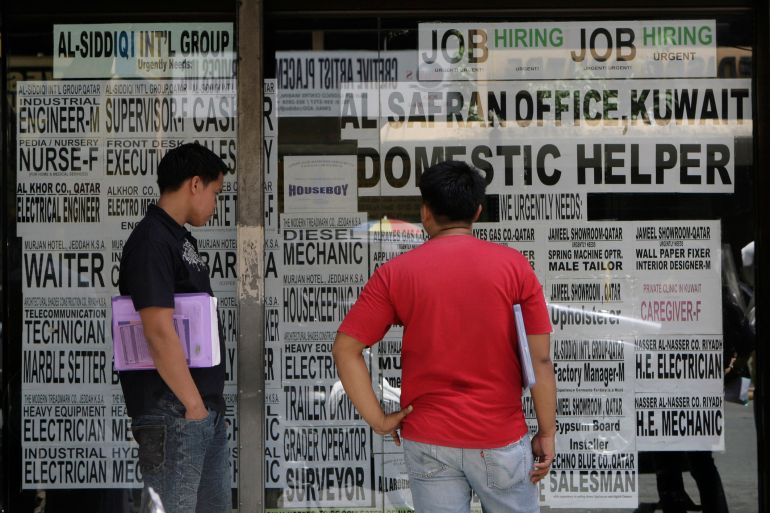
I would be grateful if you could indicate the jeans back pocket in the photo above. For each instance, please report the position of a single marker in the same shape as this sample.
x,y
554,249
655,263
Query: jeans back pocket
x,y
508,466
421,459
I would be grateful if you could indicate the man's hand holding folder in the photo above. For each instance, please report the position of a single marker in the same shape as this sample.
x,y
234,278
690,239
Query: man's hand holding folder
x,y
543,393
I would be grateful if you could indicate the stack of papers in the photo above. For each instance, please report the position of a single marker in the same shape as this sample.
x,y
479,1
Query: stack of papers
x,y
525,360
195,321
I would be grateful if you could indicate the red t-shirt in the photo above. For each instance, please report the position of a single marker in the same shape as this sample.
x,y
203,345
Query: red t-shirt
x,y
460,369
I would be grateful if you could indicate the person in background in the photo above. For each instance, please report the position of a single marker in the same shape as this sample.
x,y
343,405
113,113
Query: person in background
x,y
461,420
177,413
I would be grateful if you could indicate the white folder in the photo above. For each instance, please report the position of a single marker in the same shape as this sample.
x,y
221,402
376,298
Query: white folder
x,y
525,360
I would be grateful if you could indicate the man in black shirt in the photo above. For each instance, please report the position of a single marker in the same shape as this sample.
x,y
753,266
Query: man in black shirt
x,y
177,413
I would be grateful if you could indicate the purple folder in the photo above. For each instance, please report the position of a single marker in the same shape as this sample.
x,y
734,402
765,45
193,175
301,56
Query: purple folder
x,y
195,321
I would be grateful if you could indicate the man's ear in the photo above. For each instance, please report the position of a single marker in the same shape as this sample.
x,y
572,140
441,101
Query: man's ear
x,y
425,213
477,215
195,184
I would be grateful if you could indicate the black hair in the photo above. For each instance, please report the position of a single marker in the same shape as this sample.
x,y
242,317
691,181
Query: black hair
x,y
452,190
187,161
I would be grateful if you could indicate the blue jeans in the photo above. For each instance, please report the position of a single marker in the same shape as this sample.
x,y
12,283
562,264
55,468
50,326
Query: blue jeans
x,y
185,462
443,478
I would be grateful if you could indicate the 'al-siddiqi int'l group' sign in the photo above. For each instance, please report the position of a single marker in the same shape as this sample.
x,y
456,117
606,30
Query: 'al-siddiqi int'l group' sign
x,y
144,50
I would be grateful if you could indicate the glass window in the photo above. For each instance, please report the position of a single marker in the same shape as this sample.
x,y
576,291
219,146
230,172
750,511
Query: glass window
x,y
618,159
94,102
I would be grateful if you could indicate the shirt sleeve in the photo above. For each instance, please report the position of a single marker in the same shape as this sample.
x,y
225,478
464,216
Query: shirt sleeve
x,y
373,313
533,307
150,276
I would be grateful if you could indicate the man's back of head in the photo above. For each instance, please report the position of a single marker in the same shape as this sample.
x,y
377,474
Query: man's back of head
x,y
453,191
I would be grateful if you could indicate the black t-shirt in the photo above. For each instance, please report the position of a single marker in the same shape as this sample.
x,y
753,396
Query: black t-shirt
x,y
160,258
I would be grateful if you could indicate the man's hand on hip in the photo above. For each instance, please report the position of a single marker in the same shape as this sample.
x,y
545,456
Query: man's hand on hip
x,y
391,423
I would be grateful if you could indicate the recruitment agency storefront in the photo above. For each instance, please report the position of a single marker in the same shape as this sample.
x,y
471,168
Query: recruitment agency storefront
x,y
623,151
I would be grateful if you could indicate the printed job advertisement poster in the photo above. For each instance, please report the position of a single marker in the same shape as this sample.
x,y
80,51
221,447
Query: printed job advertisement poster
x,y
230,395
270,154
393,483
596,456
680,355
588,286
218,250
66,372
679,264
320,183
521,208
553,137
87,158
590,295
309,83
539,108
88,150
144,50
521,239
324,446
601,50
273,351
273,265
227,305
388,239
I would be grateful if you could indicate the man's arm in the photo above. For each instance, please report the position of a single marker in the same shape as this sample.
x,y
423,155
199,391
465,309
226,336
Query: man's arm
x,y
544,398
166,351
357,383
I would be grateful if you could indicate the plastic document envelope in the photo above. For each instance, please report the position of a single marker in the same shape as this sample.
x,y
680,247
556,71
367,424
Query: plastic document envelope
x,y
195,321
525,360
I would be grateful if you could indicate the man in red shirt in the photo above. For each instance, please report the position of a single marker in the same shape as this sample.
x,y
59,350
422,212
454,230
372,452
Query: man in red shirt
x,y
461,419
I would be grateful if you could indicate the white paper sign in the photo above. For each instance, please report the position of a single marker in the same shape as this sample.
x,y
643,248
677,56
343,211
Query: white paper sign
x,y
607,49
144,50
320,183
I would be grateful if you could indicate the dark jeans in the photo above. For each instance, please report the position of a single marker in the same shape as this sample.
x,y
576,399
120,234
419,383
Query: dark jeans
x,y
184,462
